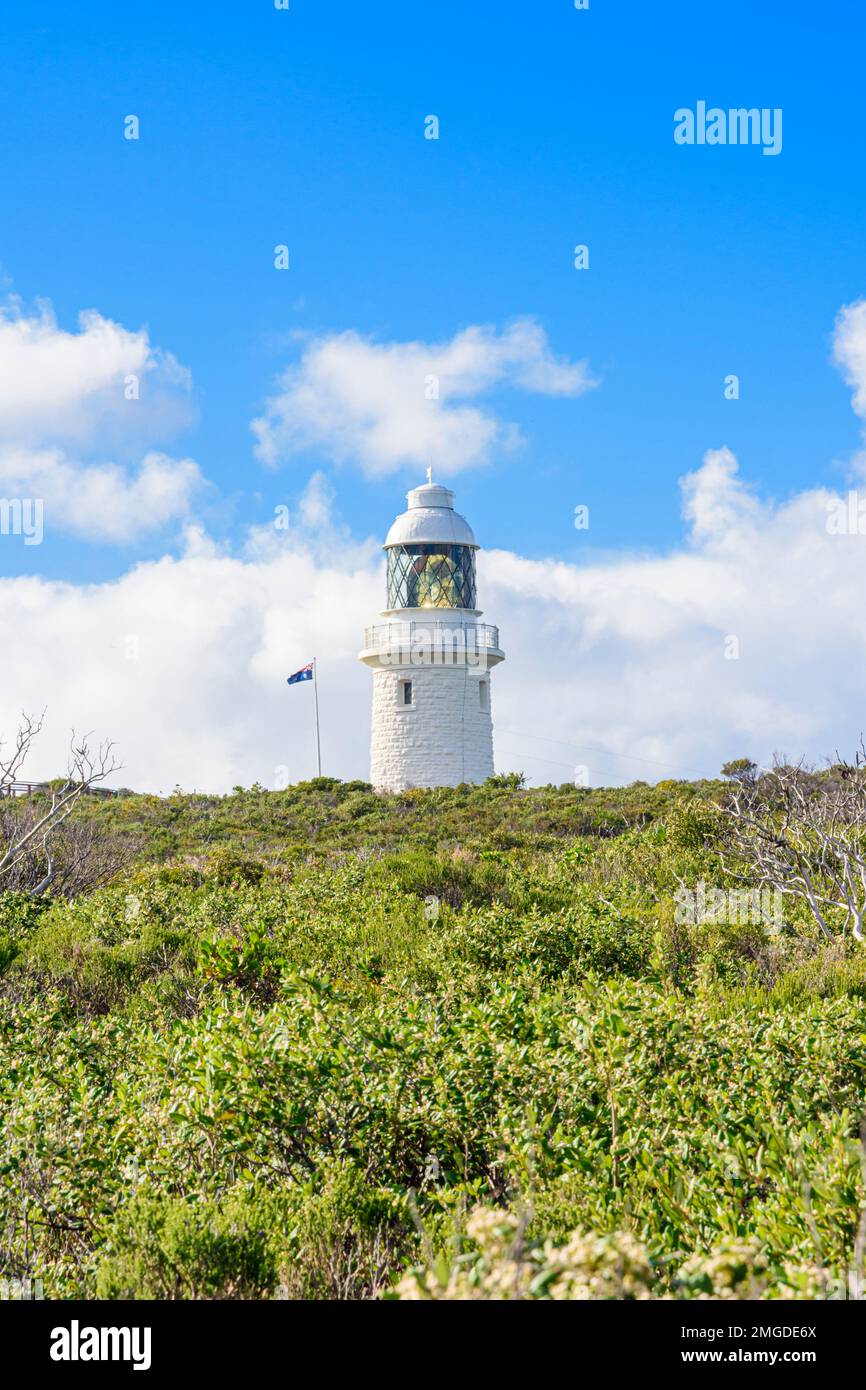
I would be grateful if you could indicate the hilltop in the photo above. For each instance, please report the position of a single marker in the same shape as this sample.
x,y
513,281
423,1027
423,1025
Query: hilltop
x,y
325,1043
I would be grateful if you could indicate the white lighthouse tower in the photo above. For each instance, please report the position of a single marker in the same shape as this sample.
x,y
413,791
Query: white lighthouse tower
x,y
431,658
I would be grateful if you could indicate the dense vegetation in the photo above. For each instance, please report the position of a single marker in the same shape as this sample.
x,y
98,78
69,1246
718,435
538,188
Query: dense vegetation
x,y
455,1043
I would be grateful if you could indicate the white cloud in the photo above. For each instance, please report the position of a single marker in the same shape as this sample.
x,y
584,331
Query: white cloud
x,y
71,387
316,503
849,350
376,404
67,400
101,502
716,503
184,662
618,665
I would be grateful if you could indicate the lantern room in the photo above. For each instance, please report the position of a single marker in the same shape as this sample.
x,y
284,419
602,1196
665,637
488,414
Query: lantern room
x,y
431,554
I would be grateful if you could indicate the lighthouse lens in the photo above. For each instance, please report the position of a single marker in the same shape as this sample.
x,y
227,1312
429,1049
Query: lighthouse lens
x,y
431,575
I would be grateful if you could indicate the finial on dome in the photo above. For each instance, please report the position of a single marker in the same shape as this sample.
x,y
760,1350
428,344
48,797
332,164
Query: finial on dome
x,y
430,474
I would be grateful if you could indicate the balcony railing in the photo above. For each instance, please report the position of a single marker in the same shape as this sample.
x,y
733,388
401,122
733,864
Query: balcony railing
x,y
458,636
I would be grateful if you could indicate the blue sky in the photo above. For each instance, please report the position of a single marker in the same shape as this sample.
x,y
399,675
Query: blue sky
x,y
306,127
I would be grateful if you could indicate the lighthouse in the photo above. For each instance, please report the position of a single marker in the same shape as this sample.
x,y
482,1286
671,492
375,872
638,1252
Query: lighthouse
x,y
430,656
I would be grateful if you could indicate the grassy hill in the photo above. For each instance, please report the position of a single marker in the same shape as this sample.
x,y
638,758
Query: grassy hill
x,y
324,1043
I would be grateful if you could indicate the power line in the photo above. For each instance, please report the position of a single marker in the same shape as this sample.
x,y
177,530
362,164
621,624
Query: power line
x,y
590,748
551,762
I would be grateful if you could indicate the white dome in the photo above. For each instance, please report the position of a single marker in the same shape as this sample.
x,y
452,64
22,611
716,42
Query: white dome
x,y
431,517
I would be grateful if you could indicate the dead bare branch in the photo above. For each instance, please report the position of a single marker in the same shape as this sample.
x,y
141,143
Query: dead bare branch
x,y
29,834
803,833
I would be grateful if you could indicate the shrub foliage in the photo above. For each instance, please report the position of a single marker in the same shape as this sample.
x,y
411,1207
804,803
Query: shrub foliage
x,y
451,1044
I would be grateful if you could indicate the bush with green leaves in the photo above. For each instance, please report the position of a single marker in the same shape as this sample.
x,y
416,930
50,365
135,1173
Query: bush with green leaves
x,y
300,1078
168,1248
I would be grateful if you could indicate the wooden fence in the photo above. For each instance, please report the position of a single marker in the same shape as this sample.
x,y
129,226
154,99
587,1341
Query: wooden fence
x,y
44,788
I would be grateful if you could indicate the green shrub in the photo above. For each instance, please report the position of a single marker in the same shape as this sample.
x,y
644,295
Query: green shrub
x,y
20,914
455,878
226,866
346,1239
168,1248
692,823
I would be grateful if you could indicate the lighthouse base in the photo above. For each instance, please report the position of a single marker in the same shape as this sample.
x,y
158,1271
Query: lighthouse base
x,y
432,727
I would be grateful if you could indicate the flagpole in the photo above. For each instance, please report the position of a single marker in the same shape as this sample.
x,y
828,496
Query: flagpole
x,y
316,695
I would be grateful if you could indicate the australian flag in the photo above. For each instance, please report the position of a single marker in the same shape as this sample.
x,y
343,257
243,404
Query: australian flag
x,y
305,674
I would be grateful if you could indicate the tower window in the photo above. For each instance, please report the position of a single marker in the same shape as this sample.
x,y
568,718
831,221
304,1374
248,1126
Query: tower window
x,y
406,692
484,694
431,575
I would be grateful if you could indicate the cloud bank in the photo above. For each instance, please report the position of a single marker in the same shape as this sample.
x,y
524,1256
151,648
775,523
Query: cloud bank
x,y
626,668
